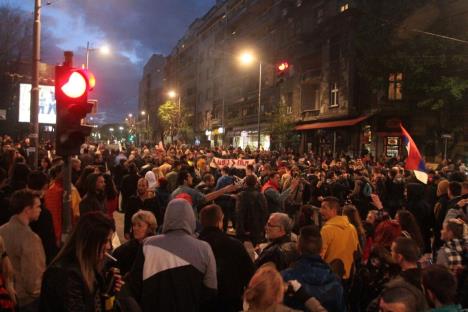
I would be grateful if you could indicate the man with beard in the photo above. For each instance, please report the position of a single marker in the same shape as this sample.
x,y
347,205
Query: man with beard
x,y
95,197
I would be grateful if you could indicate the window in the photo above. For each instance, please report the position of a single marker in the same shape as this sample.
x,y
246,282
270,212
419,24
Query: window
x,y
394,86
319,16
289,103
334,95
310,97
344,7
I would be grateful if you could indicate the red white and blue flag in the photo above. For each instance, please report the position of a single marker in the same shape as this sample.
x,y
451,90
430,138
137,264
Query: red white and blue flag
x,y
414,161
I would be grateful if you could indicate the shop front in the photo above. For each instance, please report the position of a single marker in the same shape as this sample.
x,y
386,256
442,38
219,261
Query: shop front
x,y
335,138
248,137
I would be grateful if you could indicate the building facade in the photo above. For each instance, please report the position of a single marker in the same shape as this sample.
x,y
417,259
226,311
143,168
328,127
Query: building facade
x,y
151,88
335,111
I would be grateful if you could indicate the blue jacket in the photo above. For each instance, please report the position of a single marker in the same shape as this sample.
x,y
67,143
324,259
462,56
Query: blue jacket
x,y
318,281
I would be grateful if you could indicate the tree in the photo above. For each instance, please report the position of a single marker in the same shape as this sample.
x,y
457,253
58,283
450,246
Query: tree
x,y
433,68
282,126
15,51
169,116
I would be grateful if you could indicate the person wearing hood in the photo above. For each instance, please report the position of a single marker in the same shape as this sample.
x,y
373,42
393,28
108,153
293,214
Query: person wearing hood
x,y
95,197
340,239
173,271
314,274
418,206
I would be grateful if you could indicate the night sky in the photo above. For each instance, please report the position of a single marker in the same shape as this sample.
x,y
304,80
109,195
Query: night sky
x,y
134,30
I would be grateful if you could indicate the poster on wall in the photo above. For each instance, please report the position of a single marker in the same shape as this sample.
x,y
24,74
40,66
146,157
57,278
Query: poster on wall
x,y
47,108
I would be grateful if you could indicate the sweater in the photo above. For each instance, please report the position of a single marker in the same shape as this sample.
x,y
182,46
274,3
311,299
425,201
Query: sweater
x,y
24,247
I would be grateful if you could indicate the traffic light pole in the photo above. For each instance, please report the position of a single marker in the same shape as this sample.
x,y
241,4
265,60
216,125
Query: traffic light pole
x,y
66,203
34,117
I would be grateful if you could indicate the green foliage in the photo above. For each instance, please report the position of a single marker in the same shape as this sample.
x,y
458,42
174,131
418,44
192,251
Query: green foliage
x,y
282,126
169,117
174,122
434,69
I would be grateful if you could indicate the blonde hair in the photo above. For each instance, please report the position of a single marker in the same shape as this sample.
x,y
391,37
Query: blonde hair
x,y
266,288
148,218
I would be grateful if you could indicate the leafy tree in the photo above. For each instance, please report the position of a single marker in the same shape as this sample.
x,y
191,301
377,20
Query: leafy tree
x,y
169,116
434,68
282,126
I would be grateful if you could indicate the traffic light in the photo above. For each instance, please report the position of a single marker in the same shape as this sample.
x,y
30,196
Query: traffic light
x,y
282,69
71,94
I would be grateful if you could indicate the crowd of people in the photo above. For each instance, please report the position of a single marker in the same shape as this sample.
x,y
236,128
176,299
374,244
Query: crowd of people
x,y
285,232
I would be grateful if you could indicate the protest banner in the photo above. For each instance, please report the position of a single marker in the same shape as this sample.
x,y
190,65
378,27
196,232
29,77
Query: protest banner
x,y
236,163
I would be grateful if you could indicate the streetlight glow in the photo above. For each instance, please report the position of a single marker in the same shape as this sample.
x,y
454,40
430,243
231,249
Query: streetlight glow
x,y
130,115
105,50
111,129
246,58
172,94
121,128
143,113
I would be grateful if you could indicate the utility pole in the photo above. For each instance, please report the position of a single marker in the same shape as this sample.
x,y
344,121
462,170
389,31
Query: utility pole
x,y
34,133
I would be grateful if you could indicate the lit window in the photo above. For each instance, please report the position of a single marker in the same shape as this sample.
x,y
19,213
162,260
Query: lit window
x,y
289,110
334,95
344,7
394,86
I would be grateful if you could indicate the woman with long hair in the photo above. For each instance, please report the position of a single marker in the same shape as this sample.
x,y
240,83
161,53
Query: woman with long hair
x,y
74,281
112,195
81,184
353,216
409,227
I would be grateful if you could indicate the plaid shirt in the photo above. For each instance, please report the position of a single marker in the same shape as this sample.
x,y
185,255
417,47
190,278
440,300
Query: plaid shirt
x,y
453,249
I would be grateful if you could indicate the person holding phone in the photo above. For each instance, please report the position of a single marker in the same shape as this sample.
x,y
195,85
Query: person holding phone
x,y
74,281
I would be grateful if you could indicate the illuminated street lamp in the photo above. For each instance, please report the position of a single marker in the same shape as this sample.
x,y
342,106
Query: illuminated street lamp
x,y
144,113
172,94
247,58
105,50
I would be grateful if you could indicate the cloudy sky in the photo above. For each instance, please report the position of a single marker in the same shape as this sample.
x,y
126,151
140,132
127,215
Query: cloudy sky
x,y
134,30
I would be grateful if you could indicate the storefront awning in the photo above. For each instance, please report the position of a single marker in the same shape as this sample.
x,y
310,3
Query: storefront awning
x,y
332,124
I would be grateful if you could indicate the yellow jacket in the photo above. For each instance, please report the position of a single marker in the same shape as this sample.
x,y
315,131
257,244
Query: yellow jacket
x,y
340,241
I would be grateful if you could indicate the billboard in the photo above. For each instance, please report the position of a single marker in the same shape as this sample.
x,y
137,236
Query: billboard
x,y
47,108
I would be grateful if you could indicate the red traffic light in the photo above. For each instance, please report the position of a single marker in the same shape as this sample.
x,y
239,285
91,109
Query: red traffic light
x,y
283,66
75,86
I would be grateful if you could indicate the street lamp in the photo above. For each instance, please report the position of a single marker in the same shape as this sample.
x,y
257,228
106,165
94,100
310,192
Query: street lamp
x,y
105,50
247,58
172,94
144,113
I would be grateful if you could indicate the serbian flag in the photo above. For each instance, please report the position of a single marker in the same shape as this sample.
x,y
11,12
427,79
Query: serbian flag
x,y
414,161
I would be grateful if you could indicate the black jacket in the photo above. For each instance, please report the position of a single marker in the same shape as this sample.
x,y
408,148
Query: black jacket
x,y
234,269
64,289
126,254
135,203
45,229
252,214
282,252
421,210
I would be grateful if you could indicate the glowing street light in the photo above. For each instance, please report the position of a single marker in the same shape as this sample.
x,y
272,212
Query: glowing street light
x,y
247,58
172,94
105,50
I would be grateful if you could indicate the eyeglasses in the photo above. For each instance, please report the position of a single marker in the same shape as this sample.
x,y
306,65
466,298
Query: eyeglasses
x,y
272,225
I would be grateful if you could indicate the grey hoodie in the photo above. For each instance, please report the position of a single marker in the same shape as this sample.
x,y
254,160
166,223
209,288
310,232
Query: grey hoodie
x,y
177,271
